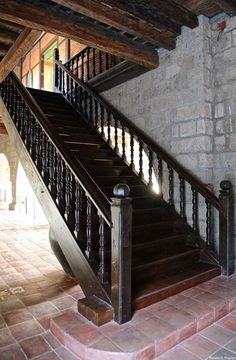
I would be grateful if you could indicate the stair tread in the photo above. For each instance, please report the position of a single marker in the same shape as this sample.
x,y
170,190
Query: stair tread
x,y
159,287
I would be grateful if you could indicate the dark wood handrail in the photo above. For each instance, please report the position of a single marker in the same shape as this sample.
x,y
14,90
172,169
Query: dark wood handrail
x,y
95,194
191,179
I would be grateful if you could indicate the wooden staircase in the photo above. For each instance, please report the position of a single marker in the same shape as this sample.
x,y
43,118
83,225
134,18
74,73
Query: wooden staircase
x,y
165,253
127,254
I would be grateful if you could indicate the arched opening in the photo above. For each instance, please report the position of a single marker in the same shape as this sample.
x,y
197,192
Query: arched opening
x,y
5,182
27,203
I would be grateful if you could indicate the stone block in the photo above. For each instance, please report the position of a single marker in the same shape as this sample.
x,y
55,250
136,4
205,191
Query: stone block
x,y
219,110
187,128
204,126
220,143
192,145
172,71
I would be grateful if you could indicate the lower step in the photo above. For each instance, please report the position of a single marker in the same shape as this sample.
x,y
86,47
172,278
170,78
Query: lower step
x,y
151,289
152,331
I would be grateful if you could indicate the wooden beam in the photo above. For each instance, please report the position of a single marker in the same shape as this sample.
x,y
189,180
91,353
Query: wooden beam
x,y
3,49
46,16
110,13
23,43
11,26
228,6
7,36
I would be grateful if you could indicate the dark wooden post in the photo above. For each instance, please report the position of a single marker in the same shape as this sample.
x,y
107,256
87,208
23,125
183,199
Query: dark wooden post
x,y
226,246
56,70
121,214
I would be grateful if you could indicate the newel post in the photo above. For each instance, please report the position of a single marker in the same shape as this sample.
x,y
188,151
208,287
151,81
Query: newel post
x,y
121,248
226,246
56,70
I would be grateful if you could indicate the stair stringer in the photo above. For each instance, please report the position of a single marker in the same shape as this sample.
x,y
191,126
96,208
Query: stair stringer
x,y
76,259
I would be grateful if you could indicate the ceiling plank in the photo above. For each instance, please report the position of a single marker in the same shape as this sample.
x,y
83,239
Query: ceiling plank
x,y
228,6
47,16
3,49
111,14
23,43
7,36
11,26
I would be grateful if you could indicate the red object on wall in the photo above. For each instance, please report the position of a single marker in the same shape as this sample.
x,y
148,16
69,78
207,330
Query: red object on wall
x,y
222,25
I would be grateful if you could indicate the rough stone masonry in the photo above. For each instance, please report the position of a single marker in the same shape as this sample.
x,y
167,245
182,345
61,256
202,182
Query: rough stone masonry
x,y
188,104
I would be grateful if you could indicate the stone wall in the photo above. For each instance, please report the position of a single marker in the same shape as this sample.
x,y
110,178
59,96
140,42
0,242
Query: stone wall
x,y
188,104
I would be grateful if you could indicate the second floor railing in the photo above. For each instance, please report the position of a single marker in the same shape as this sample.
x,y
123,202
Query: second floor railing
x,y
91,62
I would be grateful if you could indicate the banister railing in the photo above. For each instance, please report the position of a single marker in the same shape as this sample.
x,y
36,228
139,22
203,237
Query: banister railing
x,y
91,62
83,206
182,190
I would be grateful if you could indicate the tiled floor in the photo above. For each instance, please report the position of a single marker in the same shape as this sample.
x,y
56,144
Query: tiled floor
x,y
34,289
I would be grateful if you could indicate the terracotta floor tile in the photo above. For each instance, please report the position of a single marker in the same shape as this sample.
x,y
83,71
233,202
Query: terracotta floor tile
x,y
43,309
195,307
69,319
26,329
200,346
65,302
155,328
176,317
33,299
228,322
209,299
130,340
178,353
51,340
12,352
156,308
140,316
218,334
35,346
2,322
231,346
11,303
6,338
85,334
49,356
65,354
223,354
17,316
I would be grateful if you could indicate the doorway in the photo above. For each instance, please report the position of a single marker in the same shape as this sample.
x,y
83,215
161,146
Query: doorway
x,y
47,67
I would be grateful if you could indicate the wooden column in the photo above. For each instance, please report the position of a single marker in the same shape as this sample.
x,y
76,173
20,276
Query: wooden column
x,y
226,246
55,70
121,214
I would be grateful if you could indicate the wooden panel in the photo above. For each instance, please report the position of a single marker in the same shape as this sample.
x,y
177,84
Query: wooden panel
x,y
37,15
24,42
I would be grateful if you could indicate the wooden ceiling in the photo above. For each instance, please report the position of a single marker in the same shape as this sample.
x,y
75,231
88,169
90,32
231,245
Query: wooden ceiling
x,y
131,29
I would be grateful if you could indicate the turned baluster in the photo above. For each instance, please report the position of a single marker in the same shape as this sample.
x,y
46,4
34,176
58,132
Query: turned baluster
x,y
52,170
106,61
45,159
94,63
89,246
79,200
116,148
150,165
160,175
171,185
38,147
123,144
82,66
108,127
209,225
88,65
70,200
102,272
140,159
195,210
96,114
100,62
132,166
182,193
102,121
60,184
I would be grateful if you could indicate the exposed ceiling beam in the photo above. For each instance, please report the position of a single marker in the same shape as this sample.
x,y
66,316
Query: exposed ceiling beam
x,y
11,26
46,16
7,36
112,14
3,49
23,43
228,6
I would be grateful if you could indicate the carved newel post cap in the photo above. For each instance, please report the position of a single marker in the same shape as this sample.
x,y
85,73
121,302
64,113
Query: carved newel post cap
x,y
225,185
121,191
